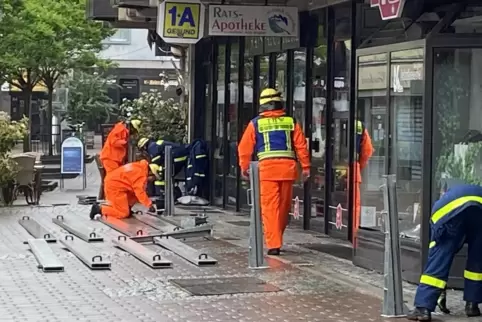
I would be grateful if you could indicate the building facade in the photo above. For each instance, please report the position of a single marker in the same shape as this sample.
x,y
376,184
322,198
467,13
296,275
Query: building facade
x,y
412,81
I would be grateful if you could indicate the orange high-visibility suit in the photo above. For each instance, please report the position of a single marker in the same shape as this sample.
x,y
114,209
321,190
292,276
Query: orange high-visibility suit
x,y
114,151
124,187
277,165
364,151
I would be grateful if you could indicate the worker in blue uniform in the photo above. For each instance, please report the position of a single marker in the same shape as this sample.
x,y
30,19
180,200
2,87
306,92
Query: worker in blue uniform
x,y
155,150
197,168
456,219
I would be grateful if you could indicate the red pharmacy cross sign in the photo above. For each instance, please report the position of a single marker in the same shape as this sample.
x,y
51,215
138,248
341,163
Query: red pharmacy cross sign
x,y
389,9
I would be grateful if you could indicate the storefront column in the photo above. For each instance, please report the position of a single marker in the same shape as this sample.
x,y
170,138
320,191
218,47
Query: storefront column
x,y
240,106
308,133
272,70
227,100
290,82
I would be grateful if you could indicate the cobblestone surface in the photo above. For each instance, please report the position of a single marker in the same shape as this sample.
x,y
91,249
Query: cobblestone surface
x,y
131,291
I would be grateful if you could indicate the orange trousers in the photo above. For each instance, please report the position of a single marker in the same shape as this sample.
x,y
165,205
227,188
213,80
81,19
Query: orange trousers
x,y
276,197
110,166
119,203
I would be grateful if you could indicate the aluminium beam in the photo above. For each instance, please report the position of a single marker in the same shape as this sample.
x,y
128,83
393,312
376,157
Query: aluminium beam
x,y
187,252
45,256
142,253
36,230
81,231
85,253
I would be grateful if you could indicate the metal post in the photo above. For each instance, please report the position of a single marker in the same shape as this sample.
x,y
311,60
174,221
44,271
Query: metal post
x,y
256,256
393,305
168,181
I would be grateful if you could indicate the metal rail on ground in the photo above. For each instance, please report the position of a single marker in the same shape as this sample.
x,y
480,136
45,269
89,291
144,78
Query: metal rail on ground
x,y
45,256
142,253
85,253
78,230
36,230
187,252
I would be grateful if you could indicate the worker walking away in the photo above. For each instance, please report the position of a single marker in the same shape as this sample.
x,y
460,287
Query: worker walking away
x,y
364,151
278,142
124,187
456,219
114,151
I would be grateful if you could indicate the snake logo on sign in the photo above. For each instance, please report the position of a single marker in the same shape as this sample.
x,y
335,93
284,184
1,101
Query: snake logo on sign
x,y
339,217
296,208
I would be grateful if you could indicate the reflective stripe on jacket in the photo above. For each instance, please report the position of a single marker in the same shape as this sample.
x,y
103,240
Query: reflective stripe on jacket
x,y
274,137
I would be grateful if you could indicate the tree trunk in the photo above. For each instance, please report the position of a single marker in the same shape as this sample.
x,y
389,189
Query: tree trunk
x,y
50,98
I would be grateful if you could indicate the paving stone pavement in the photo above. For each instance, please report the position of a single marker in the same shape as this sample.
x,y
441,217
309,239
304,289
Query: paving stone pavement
x,y
131,291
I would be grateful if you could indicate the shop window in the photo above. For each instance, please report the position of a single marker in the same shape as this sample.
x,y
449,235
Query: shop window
x,y
299,110
372,110
281,84
457,108
219,145
406,107
263,72
233,125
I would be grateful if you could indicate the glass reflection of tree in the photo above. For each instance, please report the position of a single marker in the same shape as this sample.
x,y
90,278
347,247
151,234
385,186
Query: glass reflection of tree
x,y
452,89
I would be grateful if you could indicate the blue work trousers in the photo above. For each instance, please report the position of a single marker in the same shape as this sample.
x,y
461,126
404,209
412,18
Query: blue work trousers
x,y
446,242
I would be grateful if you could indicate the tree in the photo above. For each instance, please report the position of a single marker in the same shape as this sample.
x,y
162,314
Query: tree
x,y
43,40
19,50
161,119
74,44
88,99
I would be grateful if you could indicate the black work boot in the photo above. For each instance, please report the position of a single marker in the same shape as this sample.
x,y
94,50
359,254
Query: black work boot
x,y
419,314
442,303
274,251
472,309
95,210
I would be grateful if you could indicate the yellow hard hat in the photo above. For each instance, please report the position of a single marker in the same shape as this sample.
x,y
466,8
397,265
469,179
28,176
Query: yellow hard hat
x,y
136,124
269,95
142,142
155,170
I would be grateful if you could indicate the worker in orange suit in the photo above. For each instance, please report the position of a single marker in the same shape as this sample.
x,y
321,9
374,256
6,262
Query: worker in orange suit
x,y
364,151
114,151
126,186
278,142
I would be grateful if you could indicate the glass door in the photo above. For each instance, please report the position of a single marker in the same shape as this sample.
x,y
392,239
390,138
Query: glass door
x,y
338,197
232,137
219,182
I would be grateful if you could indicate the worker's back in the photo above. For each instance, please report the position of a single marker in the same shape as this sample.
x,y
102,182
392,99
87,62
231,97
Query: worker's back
x,y
115,146
455,201
127,176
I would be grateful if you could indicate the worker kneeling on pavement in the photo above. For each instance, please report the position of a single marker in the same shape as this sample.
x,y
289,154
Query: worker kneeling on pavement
x,y
456,219
114,151
124,187
278,141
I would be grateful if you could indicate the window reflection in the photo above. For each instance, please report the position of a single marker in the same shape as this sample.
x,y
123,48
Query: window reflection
x,y
233,125
281,84
457,129
372,111
406,104
218,151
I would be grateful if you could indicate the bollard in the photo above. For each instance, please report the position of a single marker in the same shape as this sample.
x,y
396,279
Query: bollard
x,y
393,305
168,182
256,256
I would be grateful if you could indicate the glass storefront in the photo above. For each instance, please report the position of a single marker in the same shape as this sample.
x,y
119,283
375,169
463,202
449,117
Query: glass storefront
x,y
219,148
232,139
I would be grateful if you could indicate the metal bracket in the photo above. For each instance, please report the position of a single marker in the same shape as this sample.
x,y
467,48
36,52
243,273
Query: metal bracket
x,y
77,230
167,228
36,230
83,252
142,253
46,258
199,231
188,253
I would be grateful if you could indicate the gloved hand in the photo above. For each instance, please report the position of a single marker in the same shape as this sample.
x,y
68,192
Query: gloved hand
x,y
245,174
306,175
152,209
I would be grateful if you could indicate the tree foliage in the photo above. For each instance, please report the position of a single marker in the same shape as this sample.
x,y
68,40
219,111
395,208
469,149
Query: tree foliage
x,y
88,99
161,119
